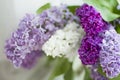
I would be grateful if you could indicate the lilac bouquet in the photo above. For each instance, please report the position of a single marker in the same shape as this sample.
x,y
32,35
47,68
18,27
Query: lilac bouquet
x,y
87,37
100,45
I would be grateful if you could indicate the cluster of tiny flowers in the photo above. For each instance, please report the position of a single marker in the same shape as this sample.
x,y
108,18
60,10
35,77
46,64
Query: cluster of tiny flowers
x,y
110,53
93,25
90,19
101,42
64,42
23,42
89,49
24,46
95,75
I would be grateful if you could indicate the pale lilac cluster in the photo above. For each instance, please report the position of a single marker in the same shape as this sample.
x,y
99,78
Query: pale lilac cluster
x,y
23,42
24,46
93,25
95,75
110,53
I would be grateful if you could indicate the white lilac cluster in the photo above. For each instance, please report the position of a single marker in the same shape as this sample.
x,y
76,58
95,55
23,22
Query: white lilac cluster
x,y
110,53
64,42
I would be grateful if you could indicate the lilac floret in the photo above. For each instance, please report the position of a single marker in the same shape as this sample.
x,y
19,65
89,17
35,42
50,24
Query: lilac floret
x,y
89,50
90,19
95,74
31,59
110,53
23,48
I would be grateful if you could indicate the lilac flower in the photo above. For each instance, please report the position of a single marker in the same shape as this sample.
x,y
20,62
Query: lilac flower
x,y
89,50
94,26
23,42
110,53
90,19
24,46
31,59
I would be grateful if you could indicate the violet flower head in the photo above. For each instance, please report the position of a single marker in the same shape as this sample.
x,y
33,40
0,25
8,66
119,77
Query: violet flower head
x,y
90,19
23,48
94,26
23,42
110,53
89,49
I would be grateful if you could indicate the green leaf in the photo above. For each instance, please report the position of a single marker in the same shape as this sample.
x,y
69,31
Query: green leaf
x,y
118,28
73,8
116,78
49,60
44,7
62,65
110,4
87,74
69,74
107,8
100,71
107,15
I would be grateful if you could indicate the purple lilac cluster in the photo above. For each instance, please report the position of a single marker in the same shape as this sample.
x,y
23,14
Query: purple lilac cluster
x,y
89,50
95,75
24,46
90,19
93,25
110,53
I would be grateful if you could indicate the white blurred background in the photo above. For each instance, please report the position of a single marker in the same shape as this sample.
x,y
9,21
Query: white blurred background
x,y
11,11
